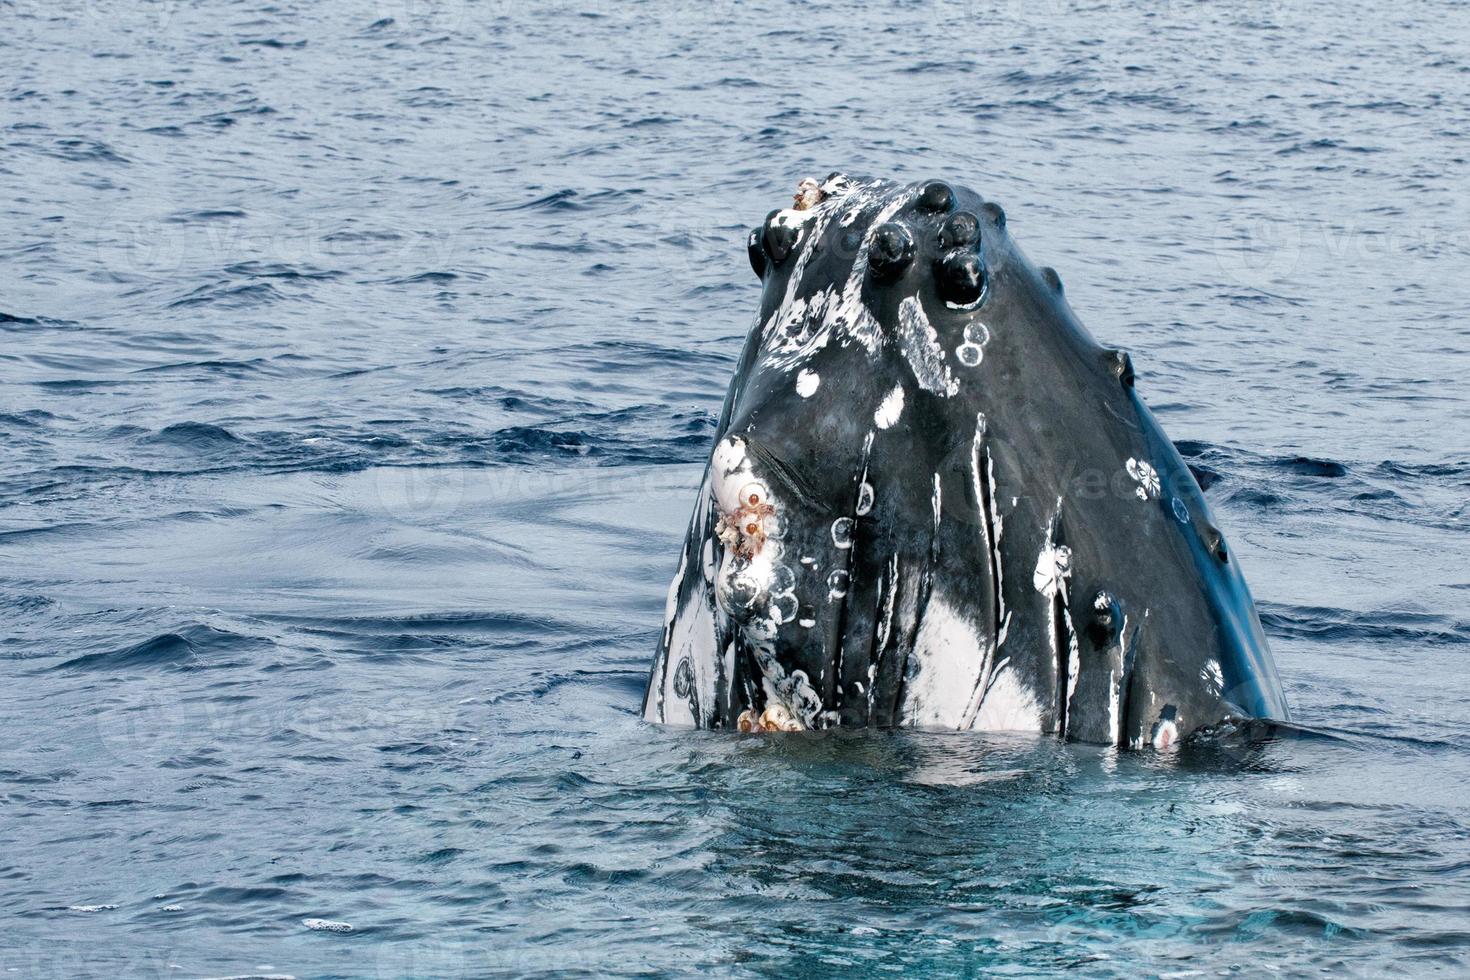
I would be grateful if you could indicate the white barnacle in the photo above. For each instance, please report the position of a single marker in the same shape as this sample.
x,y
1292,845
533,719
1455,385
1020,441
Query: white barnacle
x,y
837,584
842,532
1213,677
1146,477
864,499
783,608
891,408
1053,568
807,383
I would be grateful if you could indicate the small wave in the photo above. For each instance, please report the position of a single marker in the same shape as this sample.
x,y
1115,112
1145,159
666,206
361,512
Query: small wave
x,y
1020,76
562,200
568,199
194,435
279,270
520,440
1257,496
29,605
436,278
78,385
229,295
177,651
1329,624
234,369
204,214
938,67
271,42
433,624
1308,466
1458,472
33,418
168,650
79,150
15,321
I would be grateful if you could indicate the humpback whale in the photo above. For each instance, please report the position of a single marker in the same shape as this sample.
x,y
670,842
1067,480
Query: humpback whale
x,y
935,502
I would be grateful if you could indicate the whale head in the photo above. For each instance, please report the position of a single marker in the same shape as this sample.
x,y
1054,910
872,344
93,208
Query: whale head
x,y
935,501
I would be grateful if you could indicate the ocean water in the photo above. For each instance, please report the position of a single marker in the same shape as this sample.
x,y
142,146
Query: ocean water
x,y
357,366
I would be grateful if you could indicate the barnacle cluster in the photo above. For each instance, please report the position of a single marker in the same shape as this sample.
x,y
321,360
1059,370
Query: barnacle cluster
x,y
808,195
744,530
776,718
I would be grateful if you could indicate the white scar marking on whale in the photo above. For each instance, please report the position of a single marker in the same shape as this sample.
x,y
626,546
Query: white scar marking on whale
x,y
807,383
1009,705
792,218
851,312
693,638
1167,736
829,311
729,454
671,602
1053,568
824,312
1115,682
891,408
948,655
733,476
919,342
1074,665
837,185
1113,695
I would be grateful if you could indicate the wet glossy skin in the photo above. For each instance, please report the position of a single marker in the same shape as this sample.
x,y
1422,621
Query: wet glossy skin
x,y
937,502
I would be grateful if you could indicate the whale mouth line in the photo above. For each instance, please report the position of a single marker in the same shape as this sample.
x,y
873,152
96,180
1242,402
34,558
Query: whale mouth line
x,y
786,475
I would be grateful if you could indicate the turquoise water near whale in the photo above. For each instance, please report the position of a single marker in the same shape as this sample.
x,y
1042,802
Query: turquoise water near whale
x,y
357,366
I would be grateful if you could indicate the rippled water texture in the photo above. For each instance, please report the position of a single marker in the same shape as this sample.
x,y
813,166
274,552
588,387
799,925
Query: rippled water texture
x,y
358,365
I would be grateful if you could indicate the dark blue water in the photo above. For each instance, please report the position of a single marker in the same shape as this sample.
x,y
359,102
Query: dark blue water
x,y
357,365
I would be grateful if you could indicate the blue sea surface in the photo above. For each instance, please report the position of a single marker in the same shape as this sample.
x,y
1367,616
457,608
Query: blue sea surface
x,y
358,362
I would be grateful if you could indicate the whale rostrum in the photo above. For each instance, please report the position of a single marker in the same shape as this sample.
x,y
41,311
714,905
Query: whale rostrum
x,y
934,501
